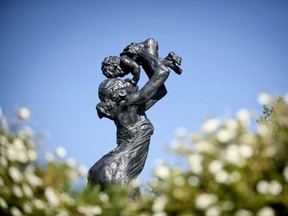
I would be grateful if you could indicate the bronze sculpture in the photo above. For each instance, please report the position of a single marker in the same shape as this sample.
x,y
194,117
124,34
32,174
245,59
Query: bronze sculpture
x,y
124,103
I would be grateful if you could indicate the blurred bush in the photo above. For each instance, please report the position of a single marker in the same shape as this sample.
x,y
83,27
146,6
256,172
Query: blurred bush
x,y
229,167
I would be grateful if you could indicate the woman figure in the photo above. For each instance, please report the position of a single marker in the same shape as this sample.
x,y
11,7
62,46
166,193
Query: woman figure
x,y
125,104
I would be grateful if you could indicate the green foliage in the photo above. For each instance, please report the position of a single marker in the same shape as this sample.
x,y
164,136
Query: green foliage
x,y
226,168
276,118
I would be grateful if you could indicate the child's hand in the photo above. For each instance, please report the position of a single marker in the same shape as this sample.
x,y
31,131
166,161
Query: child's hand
x,y
133,82
131,49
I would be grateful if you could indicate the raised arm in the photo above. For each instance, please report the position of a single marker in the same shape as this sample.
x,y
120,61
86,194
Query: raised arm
x,y
157,72
161,92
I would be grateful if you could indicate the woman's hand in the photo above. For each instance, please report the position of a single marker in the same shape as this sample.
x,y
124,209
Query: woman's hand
x,y
131,50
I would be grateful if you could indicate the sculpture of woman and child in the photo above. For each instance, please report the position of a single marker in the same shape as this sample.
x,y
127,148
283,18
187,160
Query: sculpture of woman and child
x,y
125,104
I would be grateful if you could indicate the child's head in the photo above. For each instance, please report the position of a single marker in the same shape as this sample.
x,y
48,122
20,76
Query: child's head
x,y
111,67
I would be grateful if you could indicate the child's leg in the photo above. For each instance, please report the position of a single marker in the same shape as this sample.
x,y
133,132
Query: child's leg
x,y
172,60
150,45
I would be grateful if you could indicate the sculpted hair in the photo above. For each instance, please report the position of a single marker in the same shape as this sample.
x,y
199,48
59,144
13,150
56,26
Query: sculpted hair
x,y
109,65
110,93
111,89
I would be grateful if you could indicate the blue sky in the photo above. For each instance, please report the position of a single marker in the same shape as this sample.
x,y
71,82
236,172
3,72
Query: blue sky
x,y
51,54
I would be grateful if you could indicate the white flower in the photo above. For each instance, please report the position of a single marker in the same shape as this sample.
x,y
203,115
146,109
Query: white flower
x,y
175,143
179,181
39,204
61,152
71,174
215,166
83,171
3,140
177,192
51,197
49,157
17,191
204,146
244,117
235,176
63,212
3,162
213,211
15,174
90,210
64,197
211,125
205,200
136,183
222,177
224,135
275,188
103,197
231,125
193,181
245,150
159,204
162,171
15,211
26,132
32,179
27,208
1,181
243,212
71,162
27,190
18,144
181,132
262,187
285,173
232,155
195,162
247,138
266,211
264,98
22,157
3,203
157,214
32,154
263,130
23,113
17,151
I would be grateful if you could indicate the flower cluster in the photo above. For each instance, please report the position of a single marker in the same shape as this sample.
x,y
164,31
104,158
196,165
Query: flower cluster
x,y
229,167
29,187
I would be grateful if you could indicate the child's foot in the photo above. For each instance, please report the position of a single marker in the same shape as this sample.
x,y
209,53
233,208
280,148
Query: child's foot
x,y
175,58
174,61
176,69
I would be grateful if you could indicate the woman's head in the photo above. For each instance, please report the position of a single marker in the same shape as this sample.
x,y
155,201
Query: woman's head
x,y
115,89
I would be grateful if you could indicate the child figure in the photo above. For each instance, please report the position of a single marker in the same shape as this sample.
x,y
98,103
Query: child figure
x,y
114,66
